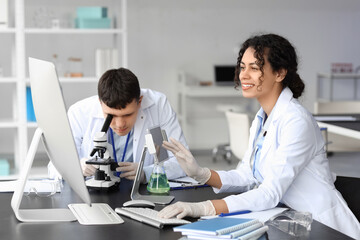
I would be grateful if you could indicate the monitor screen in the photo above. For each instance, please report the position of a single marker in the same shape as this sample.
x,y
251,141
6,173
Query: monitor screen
x,y
52,119
224,75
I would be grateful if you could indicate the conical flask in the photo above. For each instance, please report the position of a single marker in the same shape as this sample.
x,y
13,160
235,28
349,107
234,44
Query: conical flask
x,y
158,182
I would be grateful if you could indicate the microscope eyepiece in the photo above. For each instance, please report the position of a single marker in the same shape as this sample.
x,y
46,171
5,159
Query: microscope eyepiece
x,y
107,122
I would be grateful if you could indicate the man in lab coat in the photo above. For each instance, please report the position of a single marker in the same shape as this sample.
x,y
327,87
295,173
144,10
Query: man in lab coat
x,y
134,111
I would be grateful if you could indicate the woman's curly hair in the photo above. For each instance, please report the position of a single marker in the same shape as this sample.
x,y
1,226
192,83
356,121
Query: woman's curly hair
x,y
280,54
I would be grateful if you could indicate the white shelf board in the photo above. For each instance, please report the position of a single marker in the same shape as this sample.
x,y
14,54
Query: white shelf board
x,y
339,75
78,79
211,91
72,31
73,80
8,124
7,30
8,80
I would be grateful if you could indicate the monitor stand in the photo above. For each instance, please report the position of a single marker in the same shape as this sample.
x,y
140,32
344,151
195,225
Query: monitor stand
x,y
95,214
35,215
135,195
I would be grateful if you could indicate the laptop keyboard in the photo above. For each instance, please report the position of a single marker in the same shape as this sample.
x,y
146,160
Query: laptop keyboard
x,y
149,216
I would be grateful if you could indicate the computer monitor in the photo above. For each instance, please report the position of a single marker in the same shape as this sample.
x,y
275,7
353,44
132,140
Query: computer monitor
x,y
224,75
54,129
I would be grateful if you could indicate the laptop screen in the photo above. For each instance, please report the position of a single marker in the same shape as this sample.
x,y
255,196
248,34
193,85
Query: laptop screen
x,y
224,75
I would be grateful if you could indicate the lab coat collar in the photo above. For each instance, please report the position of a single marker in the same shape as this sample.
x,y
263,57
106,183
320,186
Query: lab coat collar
x,y
285,97
283,101
279,109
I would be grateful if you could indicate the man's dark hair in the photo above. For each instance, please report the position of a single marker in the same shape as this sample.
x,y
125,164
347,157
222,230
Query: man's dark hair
x,y
118,87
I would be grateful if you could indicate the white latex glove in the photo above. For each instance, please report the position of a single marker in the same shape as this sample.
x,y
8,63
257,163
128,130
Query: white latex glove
x,y
187,161
87,169
182,209
128,171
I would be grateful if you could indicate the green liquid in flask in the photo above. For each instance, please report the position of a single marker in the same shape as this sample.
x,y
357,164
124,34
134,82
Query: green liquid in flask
x,y
158,183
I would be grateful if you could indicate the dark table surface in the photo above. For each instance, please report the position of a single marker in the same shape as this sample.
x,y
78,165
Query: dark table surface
x,y
11,228
353,125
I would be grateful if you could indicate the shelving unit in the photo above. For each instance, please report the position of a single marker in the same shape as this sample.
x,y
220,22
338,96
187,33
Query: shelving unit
x,y
328,86
201,111
20,130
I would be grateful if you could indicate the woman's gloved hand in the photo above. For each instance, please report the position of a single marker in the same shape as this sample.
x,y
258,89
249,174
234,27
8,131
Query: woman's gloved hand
x,y
183,209
187,161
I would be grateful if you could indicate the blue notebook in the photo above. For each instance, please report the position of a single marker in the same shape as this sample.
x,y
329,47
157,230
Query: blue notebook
x,y
216,226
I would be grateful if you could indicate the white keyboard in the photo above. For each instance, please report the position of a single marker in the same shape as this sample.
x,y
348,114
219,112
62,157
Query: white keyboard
x,y
149,216
97,214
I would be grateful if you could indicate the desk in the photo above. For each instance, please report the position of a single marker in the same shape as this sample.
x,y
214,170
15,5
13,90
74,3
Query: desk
x,y
11,228
345,128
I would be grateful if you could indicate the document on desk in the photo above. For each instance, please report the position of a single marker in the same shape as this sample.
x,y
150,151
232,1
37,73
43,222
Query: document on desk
x,y
8,186
184,182
41,185
262,216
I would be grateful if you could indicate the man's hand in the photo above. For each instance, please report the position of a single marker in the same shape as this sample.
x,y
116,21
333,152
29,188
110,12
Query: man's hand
x,y
87,169
128,171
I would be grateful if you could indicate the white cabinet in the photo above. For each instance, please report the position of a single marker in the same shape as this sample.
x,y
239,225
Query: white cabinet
x,y
201,111
22,40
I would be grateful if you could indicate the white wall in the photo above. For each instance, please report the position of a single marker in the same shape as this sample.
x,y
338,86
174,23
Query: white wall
x,y
166,36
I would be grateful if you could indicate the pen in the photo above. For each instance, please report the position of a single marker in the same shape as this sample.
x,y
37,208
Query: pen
x,y
188,187
234,213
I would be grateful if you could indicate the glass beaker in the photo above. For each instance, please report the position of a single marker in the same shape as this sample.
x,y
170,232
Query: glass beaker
x,y
158,182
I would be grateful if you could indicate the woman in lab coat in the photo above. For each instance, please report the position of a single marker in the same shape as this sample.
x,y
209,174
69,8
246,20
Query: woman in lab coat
x,y
286,161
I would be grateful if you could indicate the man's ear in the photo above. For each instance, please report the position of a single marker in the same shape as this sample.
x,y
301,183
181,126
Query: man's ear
x,y
140,100
281,74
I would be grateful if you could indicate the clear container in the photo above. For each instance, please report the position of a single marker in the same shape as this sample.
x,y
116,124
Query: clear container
x,y
292,222
75,67
158,182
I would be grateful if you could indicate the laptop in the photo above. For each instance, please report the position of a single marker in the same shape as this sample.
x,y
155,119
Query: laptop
x,y
224,75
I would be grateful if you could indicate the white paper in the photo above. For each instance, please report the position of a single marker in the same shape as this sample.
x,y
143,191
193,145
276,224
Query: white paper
x,y
41,186
185,180
262,216
8,186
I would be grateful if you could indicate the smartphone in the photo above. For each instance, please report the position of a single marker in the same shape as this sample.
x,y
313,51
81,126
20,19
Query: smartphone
x,y
159,135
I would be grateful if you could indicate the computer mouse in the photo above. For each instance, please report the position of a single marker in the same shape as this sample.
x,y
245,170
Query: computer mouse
x,y
138,203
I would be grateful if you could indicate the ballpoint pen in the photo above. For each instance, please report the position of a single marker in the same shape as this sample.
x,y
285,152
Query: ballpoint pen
x,y
188,187
234,213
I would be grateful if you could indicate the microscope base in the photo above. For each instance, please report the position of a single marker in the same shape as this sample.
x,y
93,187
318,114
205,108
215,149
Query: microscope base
x,y
102,183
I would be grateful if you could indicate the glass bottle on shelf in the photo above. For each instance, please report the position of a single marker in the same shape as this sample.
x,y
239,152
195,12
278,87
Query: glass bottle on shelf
x,y
75,67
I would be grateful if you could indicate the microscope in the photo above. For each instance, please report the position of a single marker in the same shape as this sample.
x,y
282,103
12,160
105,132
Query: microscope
x,y
104,176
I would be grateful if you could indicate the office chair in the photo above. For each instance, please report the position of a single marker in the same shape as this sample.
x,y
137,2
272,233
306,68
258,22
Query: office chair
x,y
349,189
239,127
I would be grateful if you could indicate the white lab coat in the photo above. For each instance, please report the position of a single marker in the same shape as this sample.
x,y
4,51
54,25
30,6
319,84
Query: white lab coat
x,y
295,170
86,118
